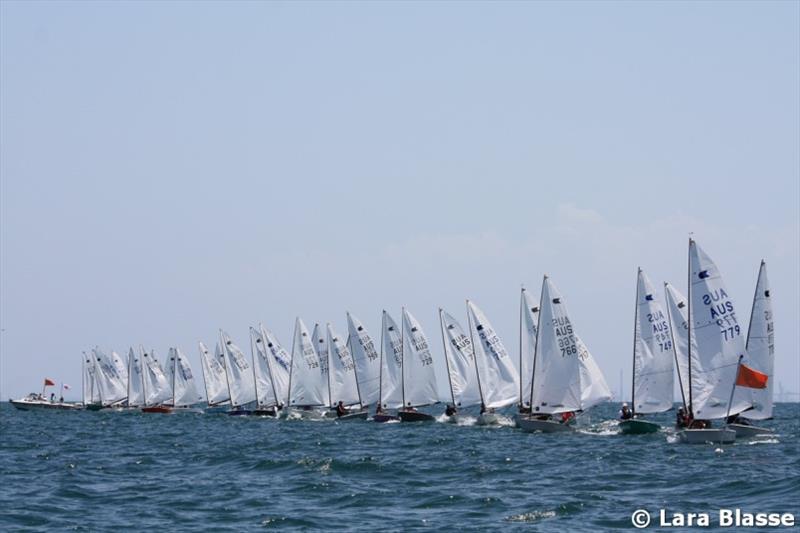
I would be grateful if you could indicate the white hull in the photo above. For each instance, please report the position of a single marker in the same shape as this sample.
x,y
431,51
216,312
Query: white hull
x,y
42,405
743,430
545,426
488,419
706,436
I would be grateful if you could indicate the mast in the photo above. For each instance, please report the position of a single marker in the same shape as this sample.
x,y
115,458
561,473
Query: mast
x,y
635,330
522,309
130,375
269,363
753,307
538,333
203,359
96,358
174,374
225,365
446,359
675,349
403,355
380,373
689,324
474,355
144,368
83,379
291,368
328,355
255,377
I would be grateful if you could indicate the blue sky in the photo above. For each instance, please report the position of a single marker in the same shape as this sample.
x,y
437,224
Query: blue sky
x,y
167,169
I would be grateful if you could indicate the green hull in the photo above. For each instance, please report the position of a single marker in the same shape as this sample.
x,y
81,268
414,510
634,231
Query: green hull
x,y
638,427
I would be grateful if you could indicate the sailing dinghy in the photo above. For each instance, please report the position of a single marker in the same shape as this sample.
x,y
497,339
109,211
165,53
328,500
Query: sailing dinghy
x,y
241,385
760,347
343,391
367,360
565,378
184,390
418,377
308,379
528,323
390,389
267,395
651,388
215,379
461,370
155,385
715,345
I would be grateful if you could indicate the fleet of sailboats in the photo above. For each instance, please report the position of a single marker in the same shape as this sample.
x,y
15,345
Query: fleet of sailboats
x,y
696,342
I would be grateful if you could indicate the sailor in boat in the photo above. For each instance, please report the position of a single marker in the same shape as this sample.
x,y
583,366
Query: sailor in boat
x,y
567,417
625,413
681,419
341,410
525,409
736,419
450,410
52,397
378,409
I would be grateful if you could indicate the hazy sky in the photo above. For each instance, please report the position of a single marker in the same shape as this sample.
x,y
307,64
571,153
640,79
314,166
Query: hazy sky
x,y
172,168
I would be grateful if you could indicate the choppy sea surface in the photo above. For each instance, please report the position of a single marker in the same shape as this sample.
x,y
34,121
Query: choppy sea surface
x,y
106,471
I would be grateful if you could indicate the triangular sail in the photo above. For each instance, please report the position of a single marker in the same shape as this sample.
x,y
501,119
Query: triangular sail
x,y
761,345
135,385
240,374
391,389
566,377
266,395
720,341
91,391
157,388
214,377
280,364
184,388
498,376
368,361
308,386
460,356
652,352
677,310
112,387
121,365
344,387
529,317
419,376
320,342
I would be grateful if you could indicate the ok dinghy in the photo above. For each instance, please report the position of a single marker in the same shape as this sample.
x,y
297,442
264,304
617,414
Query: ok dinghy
x,y
760,348
418,378
267,396
715,345
241,385
651,389
367,361
565,378
156,386
308,378
184,390
528,323
343,392
461,370
215,379
390,389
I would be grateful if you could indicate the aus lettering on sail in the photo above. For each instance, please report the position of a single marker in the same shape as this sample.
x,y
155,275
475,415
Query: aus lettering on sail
x,y
721,311
565,335
660,328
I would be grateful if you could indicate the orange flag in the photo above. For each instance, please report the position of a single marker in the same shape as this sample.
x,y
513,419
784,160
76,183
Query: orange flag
x,y
747,377
49,382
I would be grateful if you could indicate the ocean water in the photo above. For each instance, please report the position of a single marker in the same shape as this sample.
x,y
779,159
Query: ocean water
x,y
107,471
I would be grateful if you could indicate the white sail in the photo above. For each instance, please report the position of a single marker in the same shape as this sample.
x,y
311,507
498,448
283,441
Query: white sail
x,y
321,346
419,376
184,390
157,388
280,364
343,384
391,385
529,318
677,310
266,394
121,366
652,352
368,361
240,374
214,377
566,377
308,386
720,341
761,345
135,384
91,392
111,386
463,375
498,376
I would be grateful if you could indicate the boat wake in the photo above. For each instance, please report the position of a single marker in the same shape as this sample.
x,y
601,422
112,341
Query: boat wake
x,y
604,428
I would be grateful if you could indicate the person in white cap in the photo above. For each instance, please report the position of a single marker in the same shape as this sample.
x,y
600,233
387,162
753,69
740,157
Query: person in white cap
x,y
625,413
